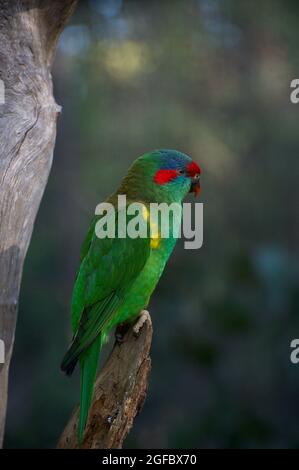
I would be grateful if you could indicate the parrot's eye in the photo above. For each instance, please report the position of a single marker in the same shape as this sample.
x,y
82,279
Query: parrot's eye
x,y
181,172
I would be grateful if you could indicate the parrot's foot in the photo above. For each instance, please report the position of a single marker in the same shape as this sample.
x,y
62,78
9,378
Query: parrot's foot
x,y
120,332
144,316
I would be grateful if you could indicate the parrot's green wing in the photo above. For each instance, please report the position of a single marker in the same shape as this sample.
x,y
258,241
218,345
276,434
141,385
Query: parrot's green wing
x,y
107,271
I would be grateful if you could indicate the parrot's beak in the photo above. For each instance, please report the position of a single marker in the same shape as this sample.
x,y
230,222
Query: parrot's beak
x,y
195,185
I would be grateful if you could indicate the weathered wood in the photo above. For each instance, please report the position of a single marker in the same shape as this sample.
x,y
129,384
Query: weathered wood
x,y
119,394
29,30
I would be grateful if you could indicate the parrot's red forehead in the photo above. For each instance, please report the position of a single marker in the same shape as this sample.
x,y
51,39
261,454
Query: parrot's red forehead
x,y
193,169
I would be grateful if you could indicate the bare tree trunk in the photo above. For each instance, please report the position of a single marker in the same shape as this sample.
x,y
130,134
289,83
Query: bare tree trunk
x,y
120,391
29,30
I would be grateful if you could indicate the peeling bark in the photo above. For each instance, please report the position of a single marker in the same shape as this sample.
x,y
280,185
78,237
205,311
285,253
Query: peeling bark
x,y
29,30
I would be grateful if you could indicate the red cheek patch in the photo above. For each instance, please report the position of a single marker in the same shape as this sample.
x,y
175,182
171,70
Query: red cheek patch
x,y
164,176
193,169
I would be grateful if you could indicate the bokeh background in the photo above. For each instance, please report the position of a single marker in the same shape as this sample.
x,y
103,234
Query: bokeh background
x,y
210,78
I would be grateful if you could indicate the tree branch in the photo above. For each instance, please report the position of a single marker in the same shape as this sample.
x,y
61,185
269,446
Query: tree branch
x,y
120,391
29,30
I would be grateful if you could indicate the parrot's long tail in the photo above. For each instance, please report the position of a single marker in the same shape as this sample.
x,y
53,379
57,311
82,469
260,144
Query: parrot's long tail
x,y
88,368
88,360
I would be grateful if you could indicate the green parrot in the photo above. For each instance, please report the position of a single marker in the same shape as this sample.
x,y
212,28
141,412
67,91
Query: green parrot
x,y
118,275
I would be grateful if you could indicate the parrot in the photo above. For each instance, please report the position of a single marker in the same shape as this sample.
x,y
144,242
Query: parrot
x,y
118,275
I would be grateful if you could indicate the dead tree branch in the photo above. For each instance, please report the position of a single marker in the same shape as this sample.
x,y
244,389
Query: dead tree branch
x,y
120,391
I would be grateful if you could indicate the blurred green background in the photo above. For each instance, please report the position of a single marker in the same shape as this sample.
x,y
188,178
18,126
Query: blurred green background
x,y
210,78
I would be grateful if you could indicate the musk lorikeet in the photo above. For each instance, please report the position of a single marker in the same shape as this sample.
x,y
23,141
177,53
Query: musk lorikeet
x,y
118,275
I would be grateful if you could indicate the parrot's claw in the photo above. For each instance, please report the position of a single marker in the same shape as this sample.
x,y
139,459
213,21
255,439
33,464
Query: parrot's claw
x,y
123,328
120,332
119,338
144,316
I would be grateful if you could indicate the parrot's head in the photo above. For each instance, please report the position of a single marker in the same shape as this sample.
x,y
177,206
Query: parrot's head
x,y
162,176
